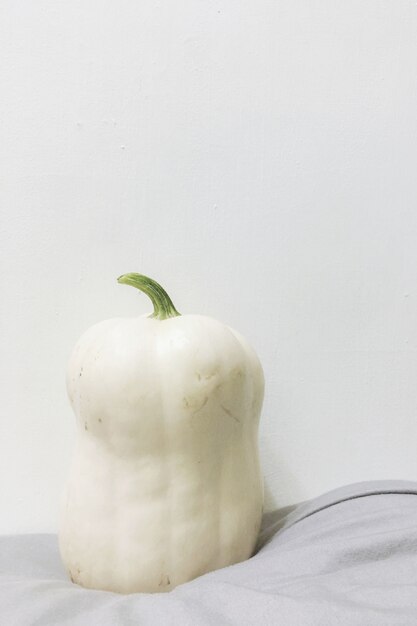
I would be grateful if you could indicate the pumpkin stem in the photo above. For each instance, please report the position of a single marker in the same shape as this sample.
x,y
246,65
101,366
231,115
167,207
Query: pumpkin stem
x,y
162,303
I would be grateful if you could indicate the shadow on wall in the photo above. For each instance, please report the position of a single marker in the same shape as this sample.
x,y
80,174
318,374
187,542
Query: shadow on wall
x,y
278,474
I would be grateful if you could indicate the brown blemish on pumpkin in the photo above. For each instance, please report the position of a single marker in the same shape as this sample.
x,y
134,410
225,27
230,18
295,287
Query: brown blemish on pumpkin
x,y
229,413
205,377
190,403
202,405
165,581
237,372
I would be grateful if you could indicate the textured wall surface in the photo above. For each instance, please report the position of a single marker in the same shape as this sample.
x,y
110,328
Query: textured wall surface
x,y
259,160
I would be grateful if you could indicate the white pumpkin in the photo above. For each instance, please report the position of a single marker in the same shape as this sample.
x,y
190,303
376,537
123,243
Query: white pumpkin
x,y
165,483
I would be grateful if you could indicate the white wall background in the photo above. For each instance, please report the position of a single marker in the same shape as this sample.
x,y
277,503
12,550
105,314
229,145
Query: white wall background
x,y
258,158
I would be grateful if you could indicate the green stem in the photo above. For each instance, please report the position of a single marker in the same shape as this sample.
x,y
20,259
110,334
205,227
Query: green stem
x,y
162,303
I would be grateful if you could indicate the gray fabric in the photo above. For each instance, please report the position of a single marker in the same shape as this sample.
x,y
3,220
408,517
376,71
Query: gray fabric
x,y
346,558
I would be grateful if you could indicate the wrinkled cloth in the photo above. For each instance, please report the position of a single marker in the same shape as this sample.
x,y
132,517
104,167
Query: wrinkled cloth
x,y
348,558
